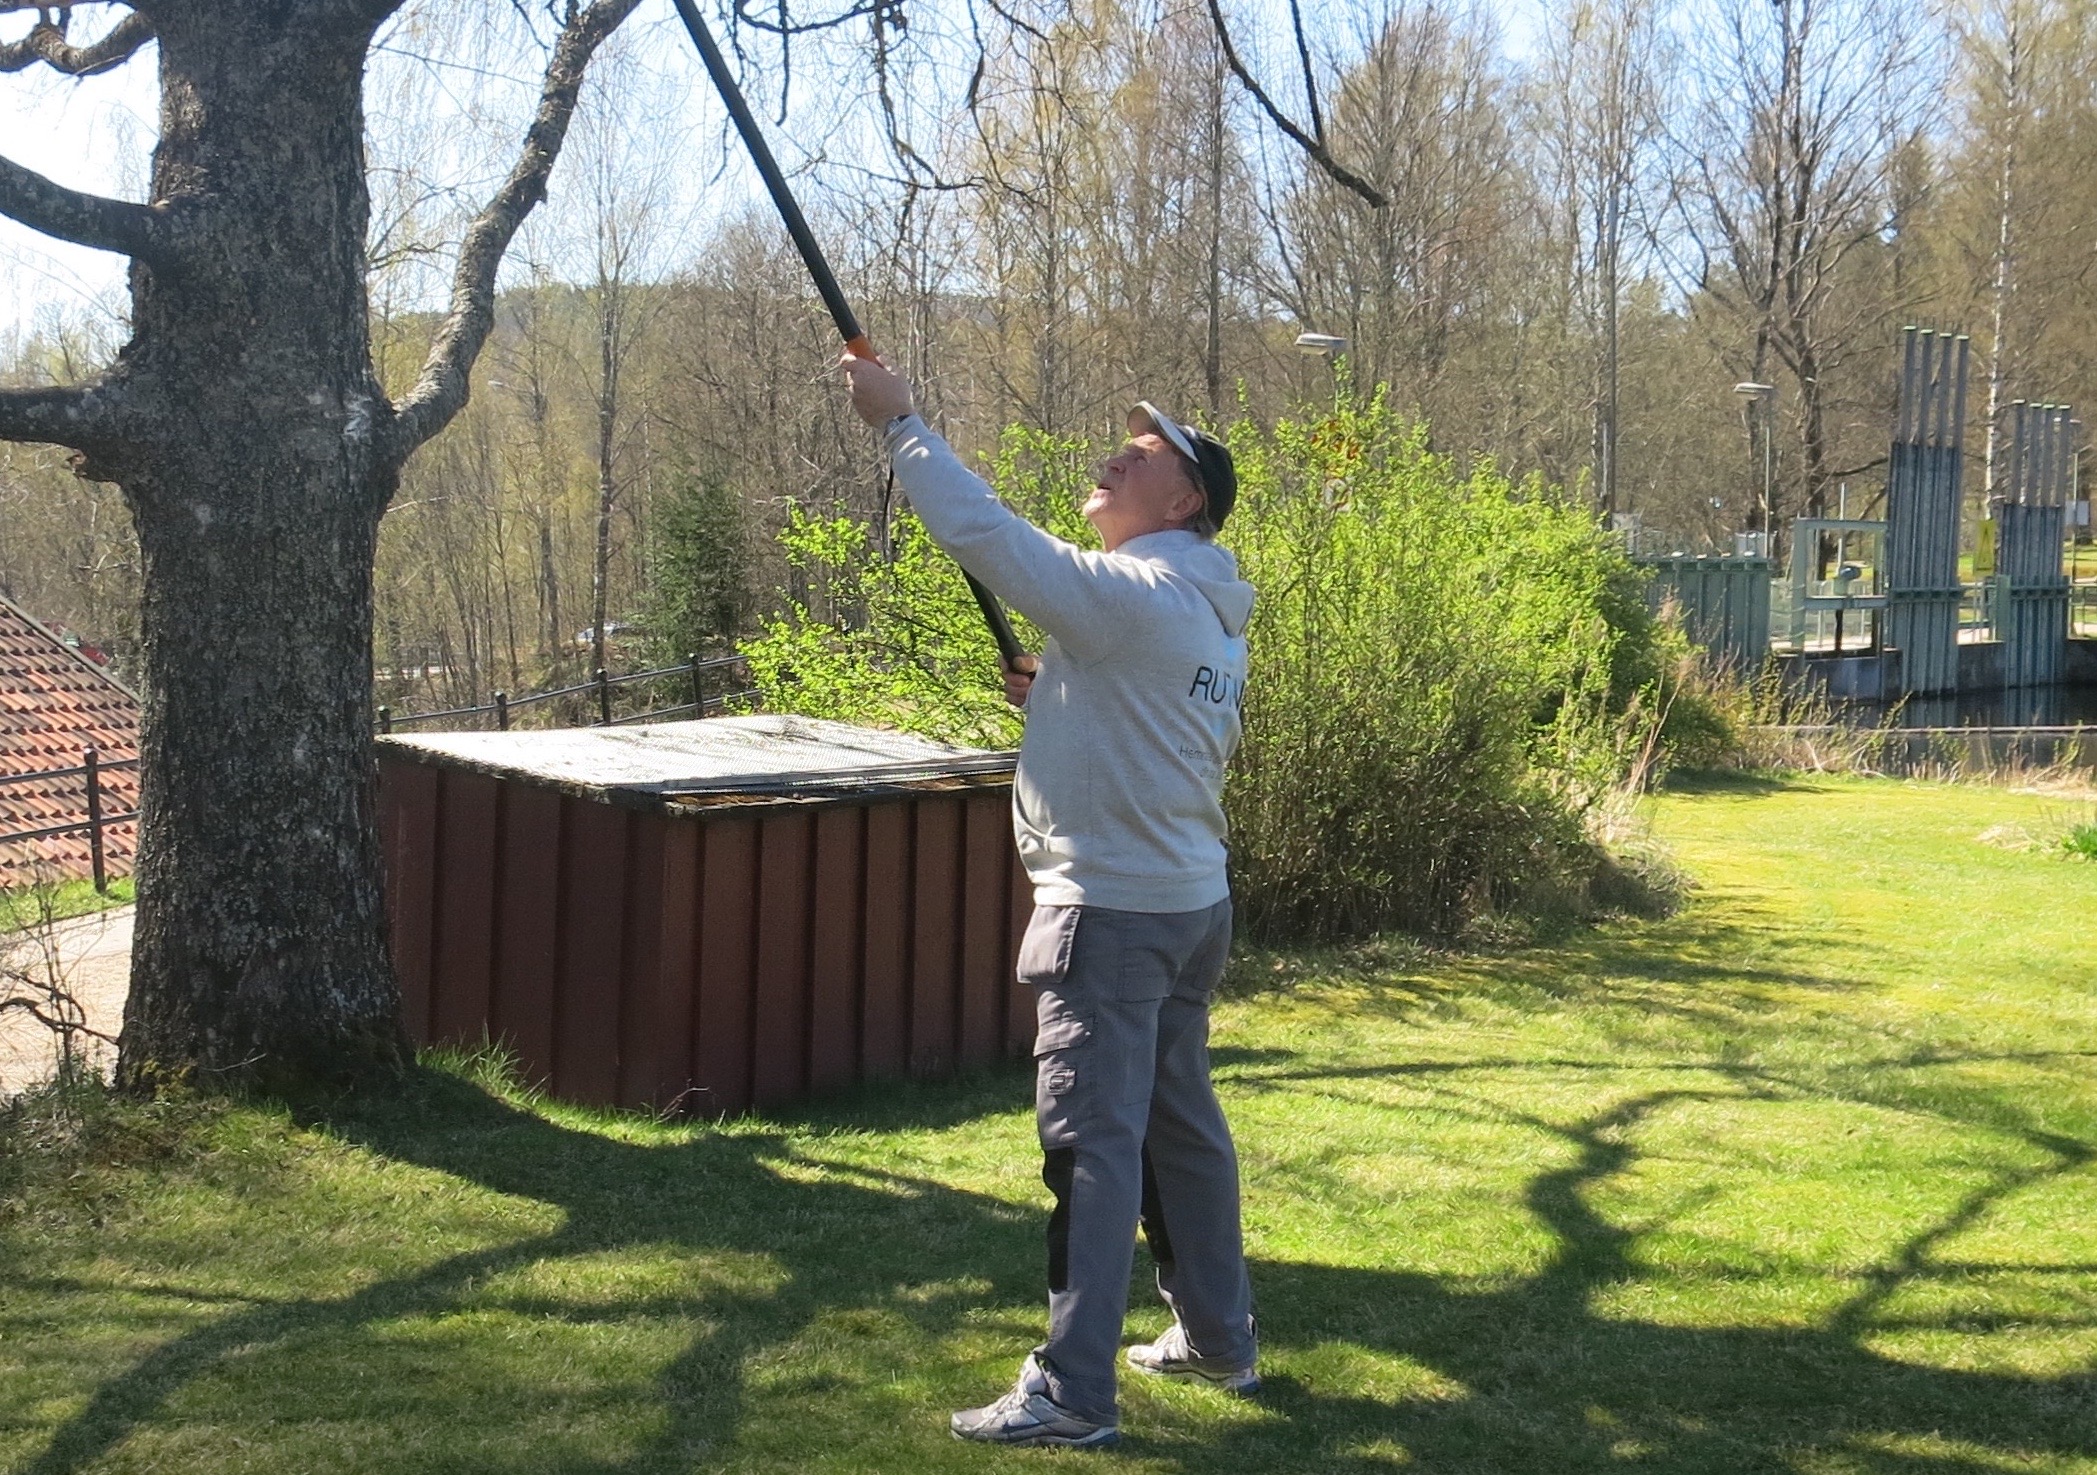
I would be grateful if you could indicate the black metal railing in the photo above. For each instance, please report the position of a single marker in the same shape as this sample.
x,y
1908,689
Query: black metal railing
x,y
96,823
600,686
2082,610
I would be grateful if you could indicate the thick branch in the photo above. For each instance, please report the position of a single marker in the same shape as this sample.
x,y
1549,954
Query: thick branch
x,y
1319,154
79,416
1310,73
349,15
46,42
71,215
440,393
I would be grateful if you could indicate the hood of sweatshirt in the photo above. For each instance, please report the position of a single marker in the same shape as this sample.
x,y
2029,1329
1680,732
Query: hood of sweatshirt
x,y
1210,568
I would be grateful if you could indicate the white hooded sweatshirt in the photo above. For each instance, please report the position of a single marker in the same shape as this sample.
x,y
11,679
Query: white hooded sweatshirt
x,y
1119,797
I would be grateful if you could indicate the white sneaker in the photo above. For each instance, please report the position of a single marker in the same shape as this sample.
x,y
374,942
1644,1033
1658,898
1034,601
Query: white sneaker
x,y
1027,1415
1173,1356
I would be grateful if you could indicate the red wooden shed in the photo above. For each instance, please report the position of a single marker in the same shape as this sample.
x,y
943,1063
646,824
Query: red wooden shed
x,y
706,916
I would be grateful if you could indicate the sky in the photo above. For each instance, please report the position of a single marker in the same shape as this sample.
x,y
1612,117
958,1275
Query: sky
x,y
96,134
92,133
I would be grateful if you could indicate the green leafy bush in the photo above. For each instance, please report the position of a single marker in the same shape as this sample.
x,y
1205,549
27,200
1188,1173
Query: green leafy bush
x,y
1448,668
904,645
2080,843
1434,701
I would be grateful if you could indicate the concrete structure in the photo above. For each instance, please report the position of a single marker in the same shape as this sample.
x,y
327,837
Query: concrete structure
x,y
2031,529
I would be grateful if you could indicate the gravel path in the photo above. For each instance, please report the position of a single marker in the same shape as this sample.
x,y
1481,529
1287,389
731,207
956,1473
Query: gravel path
x,y
92,955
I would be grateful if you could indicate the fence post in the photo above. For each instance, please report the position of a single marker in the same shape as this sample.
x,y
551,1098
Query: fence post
x,y
698,686
92,763
604,697
385,719
502,711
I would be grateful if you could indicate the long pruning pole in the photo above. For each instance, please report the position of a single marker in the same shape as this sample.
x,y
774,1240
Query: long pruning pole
x,y
818,265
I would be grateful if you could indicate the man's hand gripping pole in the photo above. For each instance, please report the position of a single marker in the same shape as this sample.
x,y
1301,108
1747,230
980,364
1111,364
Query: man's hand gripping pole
x,y
856,344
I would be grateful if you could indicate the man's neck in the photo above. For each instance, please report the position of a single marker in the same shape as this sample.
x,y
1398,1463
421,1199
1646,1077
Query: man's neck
x,y
1123,542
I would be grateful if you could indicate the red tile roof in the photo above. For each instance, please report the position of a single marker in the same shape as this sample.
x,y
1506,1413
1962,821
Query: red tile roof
x,y
54,705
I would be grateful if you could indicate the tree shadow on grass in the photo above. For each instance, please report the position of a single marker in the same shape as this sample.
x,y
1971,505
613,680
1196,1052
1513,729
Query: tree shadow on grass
x,y
870,1302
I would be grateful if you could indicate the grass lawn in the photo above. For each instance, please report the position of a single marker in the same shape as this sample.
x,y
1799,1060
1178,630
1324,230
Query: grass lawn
x,y
1801,1179
27,906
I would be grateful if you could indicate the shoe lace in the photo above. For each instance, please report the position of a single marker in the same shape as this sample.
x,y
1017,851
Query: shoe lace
x,y
1015,1397
1012,1400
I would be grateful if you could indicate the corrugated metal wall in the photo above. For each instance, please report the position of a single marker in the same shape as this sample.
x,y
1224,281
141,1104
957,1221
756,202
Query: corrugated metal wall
x,y
1923,591
1724,601
705,959
2034,604
2032,526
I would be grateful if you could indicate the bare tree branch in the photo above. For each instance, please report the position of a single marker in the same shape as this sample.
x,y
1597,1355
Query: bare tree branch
x,y
786,26
1318,153
82,417
1310,74
62,1018
46,42
70,215
441,390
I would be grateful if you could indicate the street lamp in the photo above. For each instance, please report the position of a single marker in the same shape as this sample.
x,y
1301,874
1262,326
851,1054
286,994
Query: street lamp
x,y
1764,395
1327,346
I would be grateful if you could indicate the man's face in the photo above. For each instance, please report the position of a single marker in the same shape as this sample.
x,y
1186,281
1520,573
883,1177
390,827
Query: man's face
x,y
1145,487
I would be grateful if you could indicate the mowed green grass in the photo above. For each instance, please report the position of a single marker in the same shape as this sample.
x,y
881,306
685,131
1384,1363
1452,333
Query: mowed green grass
x,y
30,906
1800,1179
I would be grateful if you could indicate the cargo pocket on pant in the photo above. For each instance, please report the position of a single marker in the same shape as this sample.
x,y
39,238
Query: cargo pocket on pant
x,y
1063,1015
1046,946
1062,1061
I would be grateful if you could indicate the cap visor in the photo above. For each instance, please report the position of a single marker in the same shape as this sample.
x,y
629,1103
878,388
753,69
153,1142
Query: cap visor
x,y
1147,418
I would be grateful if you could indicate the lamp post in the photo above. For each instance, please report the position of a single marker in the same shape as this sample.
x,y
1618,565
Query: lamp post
x,y
1327,346
1764,396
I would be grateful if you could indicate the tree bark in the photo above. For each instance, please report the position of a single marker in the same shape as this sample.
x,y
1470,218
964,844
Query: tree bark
x,y
256,450
2003,288
260,948
609,308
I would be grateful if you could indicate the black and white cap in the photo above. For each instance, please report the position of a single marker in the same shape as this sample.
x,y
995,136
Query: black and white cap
x,y
1214,470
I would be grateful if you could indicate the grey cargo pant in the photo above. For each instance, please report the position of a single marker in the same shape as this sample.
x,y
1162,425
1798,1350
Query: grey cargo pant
x,y
1130,1128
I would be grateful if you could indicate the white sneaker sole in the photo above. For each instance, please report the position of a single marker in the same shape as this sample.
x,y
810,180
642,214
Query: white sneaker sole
x,y
1238,1384
1097,1439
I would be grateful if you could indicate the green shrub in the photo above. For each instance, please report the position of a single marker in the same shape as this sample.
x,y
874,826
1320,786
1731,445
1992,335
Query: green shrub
x,y
1434,701
2081,841
907,647
1448,668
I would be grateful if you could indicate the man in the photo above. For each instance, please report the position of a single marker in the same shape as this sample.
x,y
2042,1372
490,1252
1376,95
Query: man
x,y
1132,713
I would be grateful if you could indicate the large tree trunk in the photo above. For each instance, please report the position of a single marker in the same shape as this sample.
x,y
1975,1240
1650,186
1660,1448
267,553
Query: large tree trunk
x,y
257,449
260,940
260,945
